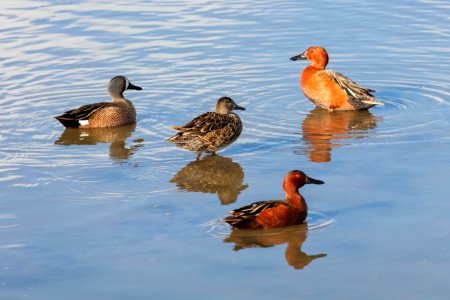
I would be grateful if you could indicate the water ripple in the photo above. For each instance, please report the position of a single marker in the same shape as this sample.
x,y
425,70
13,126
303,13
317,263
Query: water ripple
x,y
7,221
220,229
57,56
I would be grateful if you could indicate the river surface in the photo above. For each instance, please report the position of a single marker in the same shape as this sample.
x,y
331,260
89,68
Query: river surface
x,y
121,214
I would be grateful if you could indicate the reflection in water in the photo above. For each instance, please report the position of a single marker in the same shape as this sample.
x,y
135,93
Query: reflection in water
x,y
322,128
91,136
294,236
212,174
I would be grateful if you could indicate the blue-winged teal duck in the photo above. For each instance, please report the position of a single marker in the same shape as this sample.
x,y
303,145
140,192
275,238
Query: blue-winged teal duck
x,y
329,89
211,131
104,114
275,213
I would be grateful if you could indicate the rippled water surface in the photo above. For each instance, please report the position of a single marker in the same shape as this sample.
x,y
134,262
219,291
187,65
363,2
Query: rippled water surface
x,y
120,214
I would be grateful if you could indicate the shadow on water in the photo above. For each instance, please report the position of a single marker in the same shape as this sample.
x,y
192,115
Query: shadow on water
x,y
212,174
116,136
293,236
324,130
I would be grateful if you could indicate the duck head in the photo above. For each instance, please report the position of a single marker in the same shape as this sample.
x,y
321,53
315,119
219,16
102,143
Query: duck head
x,y
318,56
225,105
296,179
119,84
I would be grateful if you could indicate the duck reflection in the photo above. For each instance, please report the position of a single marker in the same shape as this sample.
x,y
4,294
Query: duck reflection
x,y
294,236
212,174
322,129
91,136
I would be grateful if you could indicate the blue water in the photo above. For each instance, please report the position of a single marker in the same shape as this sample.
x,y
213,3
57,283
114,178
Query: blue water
x,y
103,215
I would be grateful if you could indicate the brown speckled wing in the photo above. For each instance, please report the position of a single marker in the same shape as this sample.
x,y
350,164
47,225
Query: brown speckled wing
x,y
203,124
223,135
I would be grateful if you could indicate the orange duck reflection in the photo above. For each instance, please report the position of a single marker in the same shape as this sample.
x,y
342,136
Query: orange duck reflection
x,y
212,174
293,236
91,136
322,130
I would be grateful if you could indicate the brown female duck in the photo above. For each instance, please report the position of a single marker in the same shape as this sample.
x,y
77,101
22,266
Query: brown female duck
x,y
211,131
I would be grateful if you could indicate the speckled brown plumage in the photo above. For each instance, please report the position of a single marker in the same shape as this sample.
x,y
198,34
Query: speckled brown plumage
x,y
211,131
104,114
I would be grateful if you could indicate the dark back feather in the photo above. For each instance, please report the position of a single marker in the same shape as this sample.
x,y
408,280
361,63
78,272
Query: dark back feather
x,y
71,117
239,217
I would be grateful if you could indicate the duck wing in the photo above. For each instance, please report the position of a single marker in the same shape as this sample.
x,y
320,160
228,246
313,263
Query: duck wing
x,y
72,117
240,216
356,92
204,124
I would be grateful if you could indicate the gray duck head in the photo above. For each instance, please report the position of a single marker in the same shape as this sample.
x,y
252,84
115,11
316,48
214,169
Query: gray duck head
x,y
119,84
225,105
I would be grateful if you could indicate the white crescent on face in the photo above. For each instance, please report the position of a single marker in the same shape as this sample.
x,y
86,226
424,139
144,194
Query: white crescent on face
x,y
127,83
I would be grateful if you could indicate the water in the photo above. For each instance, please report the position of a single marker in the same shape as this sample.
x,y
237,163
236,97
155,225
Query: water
x,y
121,214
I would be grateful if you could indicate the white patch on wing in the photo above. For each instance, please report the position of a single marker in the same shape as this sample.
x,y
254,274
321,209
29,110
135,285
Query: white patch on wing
x,y
83,122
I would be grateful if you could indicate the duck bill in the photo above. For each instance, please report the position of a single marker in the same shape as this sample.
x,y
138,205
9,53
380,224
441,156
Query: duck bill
x,y
314,181
237,107
299,57
133,87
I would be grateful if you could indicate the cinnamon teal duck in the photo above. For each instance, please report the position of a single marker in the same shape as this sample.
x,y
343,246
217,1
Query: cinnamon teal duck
x,y
275,213
329,89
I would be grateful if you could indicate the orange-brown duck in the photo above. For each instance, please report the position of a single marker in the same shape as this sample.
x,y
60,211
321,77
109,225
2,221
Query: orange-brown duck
x,y
275,213
329,89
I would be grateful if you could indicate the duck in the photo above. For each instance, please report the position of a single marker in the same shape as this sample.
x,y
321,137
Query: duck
x,y
293,210
104,114
210,131
329,89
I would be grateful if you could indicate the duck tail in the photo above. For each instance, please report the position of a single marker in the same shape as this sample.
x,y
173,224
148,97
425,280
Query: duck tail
x,y
177,128
235,222
68,123
177,139
372,101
